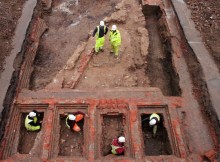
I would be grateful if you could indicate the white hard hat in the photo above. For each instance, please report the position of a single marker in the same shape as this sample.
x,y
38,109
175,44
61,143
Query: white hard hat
x,y
71,117
32,114
114,27
121,139
102,23
152,122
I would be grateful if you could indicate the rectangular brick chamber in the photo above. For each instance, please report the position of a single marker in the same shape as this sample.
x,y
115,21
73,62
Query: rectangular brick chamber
x,y
112,127
164,141
71,142
68,143
19,140
27,139
30,141
110,124
158,144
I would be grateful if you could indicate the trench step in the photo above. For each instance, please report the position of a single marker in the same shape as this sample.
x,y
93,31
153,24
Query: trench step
x,y
118,93
80,67
38,29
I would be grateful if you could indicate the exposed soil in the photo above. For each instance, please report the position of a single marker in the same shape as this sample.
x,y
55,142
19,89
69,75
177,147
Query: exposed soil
x,y
203,14
206,17
112,128
71,143
27,139
158,145
69,24
138,63
10,11
200,91
159,69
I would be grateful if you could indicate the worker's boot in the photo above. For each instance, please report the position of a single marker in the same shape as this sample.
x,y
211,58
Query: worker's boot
x,y
96,52
101,49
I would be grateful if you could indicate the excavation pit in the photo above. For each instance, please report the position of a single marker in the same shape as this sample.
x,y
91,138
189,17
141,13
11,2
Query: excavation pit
x,y
68,143
112,127
167,139
160,69
112,123
71,142
27,139
158,145
104,83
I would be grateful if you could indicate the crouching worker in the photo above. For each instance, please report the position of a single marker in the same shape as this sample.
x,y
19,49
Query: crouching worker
x,y
72,119
32,122
118,146
154,120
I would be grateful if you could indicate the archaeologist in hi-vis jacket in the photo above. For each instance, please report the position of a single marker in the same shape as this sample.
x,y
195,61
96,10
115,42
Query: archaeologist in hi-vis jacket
x,y
72,119
118,146
115,40
154,120
100,32
32,122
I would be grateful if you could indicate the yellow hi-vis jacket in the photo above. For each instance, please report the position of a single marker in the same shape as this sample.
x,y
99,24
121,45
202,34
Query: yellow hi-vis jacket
x,y
30,127
115,38
154,115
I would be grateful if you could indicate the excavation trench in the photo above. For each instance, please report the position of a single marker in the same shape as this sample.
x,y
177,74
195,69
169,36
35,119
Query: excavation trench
x,y
10,76
145,54
160,67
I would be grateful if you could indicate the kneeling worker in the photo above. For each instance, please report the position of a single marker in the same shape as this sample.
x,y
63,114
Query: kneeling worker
x,y
72,119
32,122
118,146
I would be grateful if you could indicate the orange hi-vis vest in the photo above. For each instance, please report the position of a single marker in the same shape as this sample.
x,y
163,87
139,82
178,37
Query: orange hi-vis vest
x,y
75,127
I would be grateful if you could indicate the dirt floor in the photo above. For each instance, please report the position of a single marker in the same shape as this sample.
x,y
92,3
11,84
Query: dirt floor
x,y
10,11
132,69
158,145
71,143
69,25
206,17
112,128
